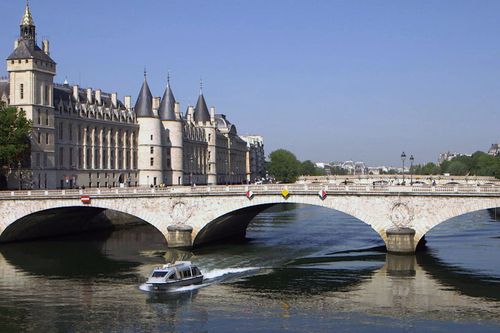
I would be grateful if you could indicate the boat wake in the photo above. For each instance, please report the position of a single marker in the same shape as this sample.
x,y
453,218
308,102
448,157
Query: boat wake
x,y
209,278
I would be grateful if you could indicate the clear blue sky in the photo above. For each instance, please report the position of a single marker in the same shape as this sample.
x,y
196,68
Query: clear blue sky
x,y
328,80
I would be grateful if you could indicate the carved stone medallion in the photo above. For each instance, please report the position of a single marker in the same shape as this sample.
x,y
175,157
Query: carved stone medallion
x,y
180,213
401,215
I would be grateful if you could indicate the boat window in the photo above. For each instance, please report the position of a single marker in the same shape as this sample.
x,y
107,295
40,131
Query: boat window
x,y
158,274
171,277
196,271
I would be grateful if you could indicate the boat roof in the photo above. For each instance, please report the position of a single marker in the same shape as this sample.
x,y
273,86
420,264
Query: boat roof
x,y
177,264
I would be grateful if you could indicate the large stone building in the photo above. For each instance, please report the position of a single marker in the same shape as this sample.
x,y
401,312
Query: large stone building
x,y
86,137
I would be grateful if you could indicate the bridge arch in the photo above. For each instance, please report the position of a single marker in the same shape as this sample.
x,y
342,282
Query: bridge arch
x,y
232,222
60,221
441,211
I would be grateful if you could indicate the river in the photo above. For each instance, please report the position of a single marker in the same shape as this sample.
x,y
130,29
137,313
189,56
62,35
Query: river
x,y
302,269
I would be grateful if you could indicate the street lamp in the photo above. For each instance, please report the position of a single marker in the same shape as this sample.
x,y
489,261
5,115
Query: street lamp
x,y
227,171
403,157
191,171
19,174
411,167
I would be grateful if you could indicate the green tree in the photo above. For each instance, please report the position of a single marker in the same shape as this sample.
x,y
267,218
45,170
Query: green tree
x,y
458,168
307,168
283,166
14,138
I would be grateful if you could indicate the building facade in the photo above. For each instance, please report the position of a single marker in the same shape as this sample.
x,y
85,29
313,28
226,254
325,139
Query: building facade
x,y
87,137
256,158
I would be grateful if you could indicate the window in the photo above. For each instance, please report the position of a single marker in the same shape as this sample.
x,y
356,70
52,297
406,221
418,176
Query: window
x,y
151,137
39,117
39,137
21,89
61,131
61,156
38,159
152,161
45,162
47,138
70,132
80,157
152,150
46,117
71,157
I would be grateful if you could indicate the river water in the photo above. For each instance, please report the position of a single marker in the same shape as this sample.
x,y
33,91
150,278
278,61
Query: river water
x,y
303,269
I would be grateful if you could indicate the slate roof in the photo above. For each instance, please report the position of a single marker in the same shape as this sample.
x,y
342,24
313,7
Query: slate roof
x,y
144,104
201,110
167,105
65,94
29,50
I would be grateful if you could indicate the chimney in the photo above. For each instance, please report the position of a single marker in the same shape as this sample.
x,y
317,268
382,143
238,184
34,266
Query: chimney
x,y
177,111
212,114
156,103
89,95
45,46
190,114
114,99
128,103
75,93
98,96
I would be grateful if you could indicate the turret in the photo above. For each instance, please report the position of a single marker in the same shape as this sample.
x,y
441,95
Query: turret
x,y
150,141
172,124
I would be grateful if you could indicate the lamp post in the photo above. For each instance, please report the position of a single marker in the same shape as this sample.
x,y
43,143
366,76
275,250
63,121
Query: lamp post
x,y
191,171
411,167
19,174
403,157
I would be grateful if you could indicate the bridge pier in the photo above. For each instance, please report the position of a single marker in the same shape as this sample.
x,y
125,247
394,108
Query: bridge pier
x,y
400,240
179,236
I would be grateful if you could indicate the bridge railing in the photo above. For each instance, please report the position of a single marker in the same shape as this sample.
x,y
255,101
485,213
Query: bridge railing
x,y
265,188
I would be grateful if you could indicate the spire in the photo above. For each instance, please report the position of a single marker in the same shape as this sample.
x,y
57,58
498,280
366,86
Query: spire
x,y
167,105
27,18
27,25
144,104
201,110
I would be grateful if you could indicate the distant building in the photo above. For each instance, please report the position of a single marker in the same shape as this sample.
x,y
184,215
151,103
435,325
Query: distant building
x,y
494,150
256,158
448,156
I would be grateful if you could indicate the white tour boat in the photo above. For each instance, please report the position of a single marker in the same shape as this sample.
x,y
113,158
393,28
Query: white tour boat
x,y
179,274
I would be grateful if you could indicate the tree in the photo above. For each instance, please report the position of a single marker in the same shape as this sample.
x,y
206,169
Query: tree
x,y
14,138
283,166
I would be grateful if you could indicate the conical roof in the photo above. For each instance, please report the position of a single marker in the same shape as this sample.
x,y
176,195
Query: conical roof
x,y
167,105
201,110
144,104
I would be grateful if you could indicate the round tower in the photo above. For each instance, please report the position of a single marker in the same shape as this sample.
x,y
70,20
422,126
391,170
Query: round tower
x,y
169,113
150,144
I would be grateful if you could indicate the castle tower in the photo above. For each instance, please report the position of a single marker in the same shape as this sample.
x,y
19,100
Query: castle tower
x,y
169,113
150,139
203,118
31,76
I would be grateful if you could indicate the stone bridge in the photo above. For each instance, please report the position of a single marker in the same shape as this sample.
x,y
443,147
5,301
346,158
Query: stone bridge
x,y
193,216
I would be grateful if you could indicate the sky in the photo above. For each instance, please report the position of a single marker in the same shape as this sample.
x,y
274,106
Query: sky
x,y
327,80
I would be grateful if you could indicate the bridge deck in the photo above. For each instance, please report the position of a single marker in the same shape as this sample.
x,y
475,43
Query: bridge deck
x,y
221,190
